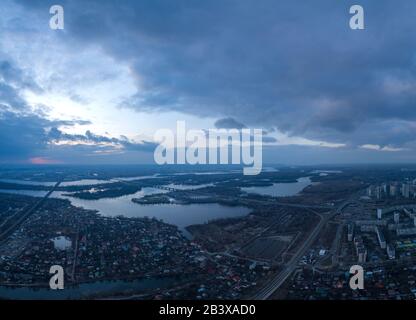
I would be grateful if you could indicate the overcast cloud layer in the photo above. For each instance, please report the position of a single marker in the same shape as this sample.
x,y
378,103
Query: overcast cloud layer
x,y
291,66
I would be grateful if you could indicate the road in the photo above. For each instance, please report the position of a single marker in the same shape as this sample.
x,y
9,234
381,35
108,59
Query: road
x,y
280,278
22,216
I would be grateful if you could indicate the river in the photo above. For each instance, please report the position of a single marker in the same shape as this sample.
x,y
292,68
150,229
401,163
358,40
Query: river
x,y
281,189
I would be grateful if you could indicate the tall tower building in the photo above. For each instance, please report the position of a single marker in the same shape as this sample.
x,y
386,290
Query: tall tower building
x,y
405,190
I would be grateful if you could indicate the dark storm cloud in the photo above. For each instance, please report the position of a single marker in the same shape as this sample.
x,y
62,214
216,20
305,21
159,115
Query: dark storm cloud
x,y
57,135
10,99
12,81
21,131
228,123
267,139
295,65
24,133
71,122
21,134
14,76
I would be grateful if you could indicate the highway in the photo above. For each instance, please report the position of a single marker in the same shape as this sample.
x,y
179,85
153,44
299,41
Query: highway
x,y
20,217
275,283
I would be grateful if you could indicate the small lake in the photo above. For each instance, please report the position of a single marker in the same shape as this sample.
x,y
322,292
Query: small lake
x,y
281,189
62,243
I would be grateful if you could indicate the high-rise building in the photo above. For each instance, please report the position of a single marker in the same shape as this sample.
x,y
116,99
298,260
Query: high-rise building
x,y
391,252
360,249
396,217
386,189
362,254
370,191
381,239
405,190
378,192
393,191
379,214
350,232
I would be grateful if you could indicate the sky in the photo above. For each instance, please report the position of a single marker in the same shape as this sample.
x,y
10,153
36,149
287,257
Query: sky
x,y
97,91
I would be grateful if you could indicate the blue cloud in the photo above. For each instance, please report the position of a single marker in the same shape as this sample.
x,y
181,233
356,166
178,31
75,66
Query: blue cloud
x,y
285,64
